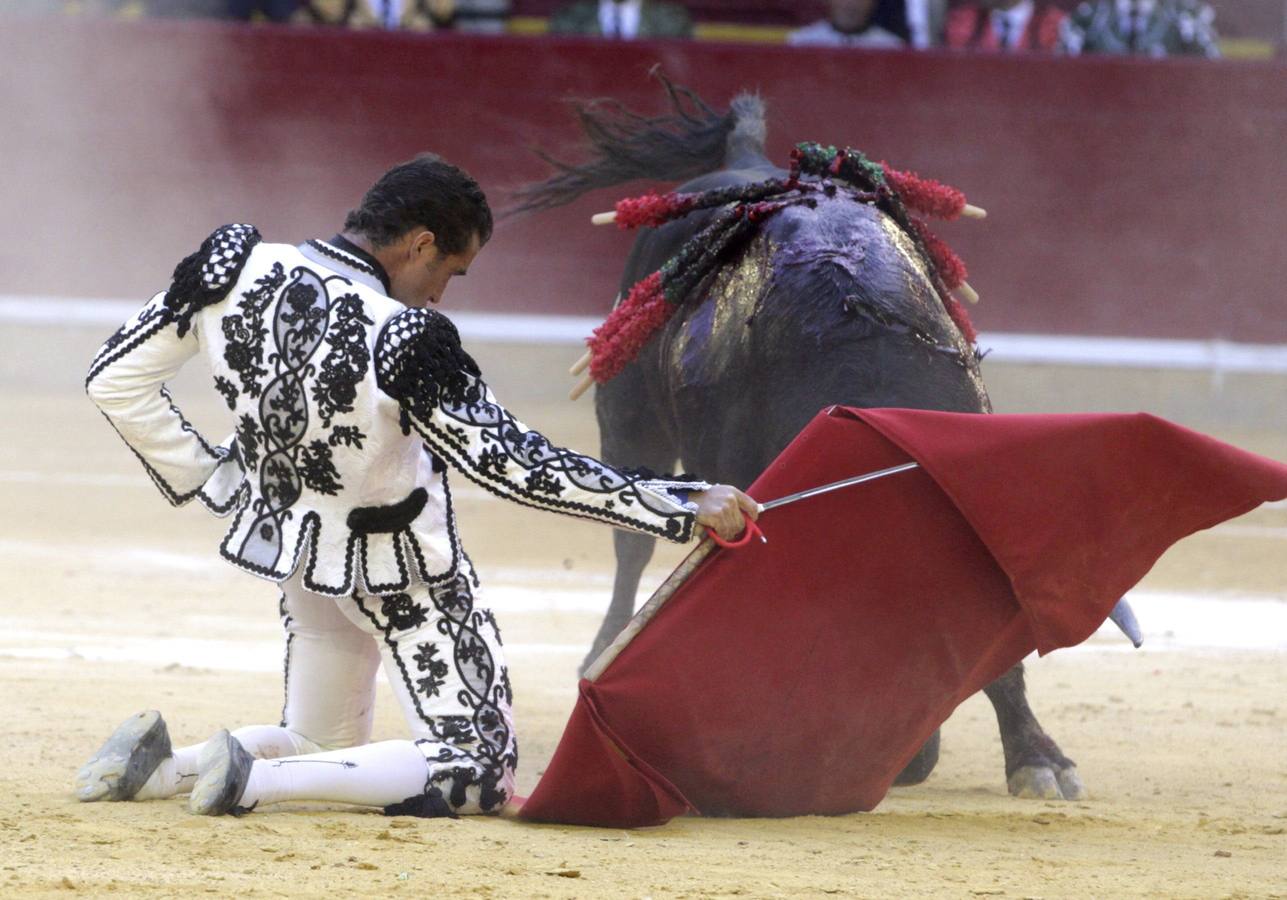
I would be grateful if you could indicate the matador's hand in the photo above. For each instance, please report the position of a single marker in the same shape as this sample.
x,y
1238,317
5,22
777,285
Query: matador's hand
x,y
722,508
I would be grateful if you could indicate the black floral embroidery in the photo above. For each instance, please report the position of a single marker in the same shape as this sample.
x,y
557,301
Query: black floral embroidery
x,y
453,598
470,650
345,366
346,435
540,481
318,470
490,618
306,319
492,462
279,482
453,730
245,331
228,390
288,412
402,613
506,691
436,669
249,439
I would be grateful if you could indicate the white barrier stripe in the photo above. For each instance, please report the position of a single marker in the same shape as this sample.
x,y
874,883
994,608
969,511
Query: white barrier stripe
x,y
1171,622
1134,353
1004,348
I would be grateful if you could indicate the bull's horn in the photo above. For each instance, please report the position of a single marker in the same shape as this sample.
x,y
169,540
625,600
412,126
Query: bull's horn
x,y
1124,618
974,212
967,292
580,365
608,218
581,387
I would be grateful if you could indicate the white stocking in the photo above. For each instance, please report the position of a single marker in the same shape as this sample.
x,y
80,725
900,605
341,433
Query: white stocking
x,y
177,773
371,775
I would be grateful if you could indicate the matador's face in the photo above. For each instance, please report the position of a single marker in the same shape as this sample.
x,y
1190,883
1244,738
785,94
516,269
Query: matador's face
x,y
425,271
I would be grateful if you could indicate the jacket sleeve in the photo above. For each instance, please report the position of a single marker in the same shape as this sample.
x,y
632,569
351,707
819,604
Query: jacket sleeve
x,y
127,378
440,394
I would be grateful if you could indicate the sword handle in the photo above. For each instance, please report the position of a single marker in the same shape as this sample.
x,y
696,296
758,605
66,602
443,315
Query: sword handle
x,y
752,531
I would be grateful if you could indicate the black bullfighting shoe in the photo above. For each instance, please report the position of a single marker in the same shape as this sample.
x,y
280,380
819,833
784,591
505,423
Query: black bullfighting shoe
x,y
222,775
126,761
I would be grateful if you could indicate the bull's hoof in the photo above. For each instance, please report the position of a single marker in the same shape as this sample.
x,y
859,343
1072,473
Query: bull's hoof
x,y
1070,784
1046,783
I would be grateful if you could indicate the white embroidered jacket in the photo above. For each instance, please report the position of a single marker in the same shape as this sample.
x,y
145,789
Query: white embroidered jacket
x,y
337,391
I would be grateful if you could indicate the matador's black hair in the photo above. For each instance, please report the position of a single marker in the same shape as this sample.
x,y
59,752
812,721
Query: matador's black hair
x,y
426,192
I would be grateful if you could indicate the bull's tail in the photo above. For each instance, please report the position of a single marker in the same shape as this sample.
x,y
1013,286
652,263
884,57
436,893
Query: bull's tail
x,y
624,146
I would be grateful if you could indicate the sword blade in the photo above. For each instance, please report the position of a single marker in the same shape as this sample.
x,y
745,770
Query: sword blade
x,y
837,485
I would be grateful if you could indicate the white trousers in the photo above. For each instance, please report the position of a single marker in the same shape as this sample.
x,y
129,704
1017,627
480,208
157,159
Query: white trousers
x,y
441,653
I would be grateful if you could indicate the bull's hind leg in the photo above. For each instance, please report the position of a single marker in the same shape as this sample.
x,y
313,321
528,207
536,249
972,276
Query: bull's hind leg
x,y
922,763
1034,764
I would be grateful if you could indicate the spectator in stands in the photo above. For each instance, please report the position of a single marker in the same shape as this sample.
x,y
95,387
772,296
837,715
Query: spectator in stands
x,y
626,19
849,23
1005,26
1141,28
273,10
925,20
475,16
487,16
183,9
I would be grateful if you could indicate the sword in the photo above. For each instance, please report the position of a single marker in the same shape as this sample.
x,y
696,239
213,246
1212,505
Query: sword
x,y
1122,615
753,531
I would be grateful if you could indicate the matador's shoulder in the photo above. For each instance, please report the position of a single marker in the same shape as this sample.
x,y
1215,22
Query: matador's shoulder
x,y
206,275
419,356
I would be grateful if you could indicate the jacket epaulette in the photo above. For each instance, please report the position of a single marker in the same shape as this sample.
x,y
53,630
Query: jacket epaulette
x,y
420,361
206,276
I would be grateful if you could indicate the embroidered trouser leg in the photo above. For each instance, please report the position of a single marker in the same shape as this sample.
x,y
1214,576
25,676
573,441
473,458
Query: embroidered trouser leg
x,y
442,655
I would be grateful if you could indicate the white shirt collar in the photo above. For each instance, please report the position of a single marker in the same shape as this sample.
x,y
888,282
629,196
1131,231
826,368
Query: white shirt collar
x,y
624,15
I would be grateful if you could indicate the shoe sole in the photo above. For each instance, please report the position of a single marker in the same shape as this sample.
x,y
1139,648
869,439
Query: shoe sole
x,y
126,760
222,778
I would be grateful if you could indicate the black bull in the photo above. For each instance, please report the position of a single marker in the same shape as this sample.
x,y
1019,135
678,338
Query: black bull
x,y
826,305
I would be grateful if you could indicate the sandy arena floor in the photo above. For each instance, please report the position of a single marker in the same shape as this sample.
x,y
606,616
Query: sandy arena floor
x,y
115,603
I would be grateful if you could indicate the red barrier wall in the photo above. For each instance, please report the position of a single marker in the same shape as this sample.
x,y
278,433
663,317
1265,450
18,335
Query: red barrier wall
x,y
1127,197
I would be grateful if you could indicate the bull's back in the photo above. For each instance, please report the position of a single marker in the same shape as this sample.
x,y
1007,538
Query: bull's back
x,y
826,305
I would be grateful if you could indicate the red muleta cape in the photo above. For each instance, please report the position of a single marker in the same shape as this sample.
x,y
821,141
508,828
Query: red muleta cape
x,y
801,676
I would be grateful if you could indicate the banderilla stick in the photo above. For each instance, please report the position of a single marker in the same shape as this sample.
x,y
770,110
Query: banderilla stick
x,y
581,387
